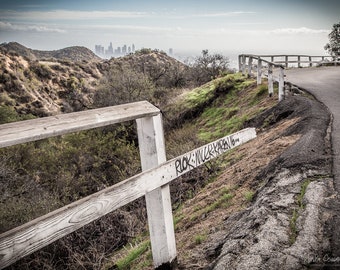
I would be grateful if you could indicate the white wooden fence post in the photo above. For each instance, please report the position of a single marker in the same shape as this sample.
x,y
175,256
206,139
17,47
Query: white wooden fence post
x,y
270,80
250,65
243,64
259,71
240,62
281,83
158,201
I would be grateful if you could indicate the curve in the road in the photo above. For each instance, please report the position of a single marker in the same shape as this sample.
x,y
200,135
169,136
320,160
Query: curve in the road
x,y
324,84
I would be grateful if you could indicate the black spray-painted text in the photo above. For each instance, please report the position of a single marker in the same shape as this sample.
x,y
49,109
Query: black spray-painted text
x,y
195,158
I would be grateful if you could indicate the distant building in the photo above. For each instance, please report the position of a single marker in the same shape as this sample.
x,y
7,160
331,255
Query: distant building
x,y
118,51
133,47
110,49
124,49
171,51
99,49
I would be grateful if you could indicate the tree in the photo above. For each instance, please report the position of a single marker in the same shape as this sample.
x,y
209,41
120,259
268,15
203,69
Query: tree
x,y
333,47
209,66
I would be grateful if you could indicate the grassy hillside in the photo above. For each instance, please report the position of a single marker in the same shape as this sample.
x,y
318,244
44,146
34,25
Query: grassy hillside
x,y
206,113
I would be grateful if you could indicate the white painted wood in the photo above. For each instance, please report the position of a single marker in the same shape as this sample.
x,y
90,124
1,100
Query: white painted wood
x,y
281,84
158,201
244,64
270,80
240,63
34,235
259,71
250,65
36,129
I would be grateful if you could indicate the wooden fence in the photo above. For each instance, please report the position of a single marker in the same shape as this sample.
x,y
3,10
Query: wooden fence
x,y
269,65
153,182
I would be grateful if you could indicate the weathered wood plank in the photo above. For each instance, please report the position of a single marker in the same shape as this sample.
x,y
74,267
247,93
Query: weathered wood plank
x,y
158,201
281,84
36,129
34,235
259,71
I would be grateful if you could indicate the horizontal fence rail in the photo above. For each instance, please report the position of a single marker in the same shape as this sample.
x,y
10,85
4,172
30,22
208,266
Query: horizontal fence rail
x,y
300,60
269,65
41,128
153,182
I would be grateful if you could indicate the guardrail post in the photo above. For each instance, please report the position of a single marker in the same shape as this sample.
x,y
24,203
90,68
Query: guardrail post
x,y
310,61
259,71
299,61
243,64
281,83
250,65
286,60
240,63
270,80
158,201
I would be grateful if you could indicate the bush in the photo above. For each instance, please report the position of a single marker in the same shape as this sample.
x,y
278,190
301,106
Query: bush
x,y
208,67
123,85
7,114
42,71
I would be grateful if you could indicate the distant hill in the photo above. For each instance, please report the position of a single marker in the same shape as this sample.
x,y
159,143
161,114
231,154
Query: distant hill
x,y
75,53
51,82
46,83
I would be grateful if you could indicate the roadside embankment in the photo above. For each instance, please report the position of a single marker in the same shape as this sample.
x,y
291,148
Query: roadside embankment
x,y
284,228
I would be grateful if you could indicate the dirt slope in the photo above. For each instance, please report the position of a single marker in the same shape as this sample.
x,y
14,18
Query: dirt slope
x,y
284,227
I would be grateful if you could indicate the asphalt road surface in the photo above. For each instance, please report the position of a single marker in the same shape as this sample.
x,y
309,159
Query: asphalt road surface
x,y
324,84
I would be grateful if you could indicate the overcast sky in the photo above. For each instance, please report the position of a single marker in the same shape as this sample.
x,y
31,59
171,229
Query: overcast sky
x,y
237,26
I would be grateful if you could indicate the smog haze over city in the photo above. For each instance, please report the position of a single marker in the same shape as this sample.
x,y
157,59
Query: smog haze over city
x,y
186,26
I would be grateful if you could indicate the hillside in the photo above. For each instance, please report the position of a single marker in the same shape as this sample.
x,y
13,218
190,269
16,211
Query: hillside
x,y
262,205
41,83
222,211
46,87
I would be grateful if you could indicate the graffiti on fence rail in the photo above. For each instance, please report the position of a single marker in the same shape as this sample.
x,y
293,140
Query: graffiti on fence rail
x,y
201,155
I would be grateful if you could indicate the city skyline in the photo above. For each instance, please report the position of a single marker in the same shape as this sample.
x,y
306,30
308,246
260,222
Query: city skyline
x,y
121,50
228,27
113,52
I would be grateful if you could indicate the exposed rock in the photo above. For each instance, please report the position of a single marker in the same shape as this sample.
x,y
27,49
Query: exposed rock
x,y
285,226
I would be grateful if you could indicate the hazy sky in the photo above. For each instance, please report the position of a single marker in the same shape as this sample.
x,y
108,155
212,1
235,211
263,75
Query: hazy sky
x,y
237,26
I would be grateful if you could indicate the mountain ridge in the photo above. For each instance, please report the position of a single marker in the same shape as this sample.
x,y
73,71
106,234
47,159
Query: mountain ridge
x,y
73,53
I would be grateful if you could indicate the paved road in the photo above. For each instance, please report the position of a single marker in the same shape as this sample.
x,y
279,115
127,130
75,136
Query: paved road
x,y
324,84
